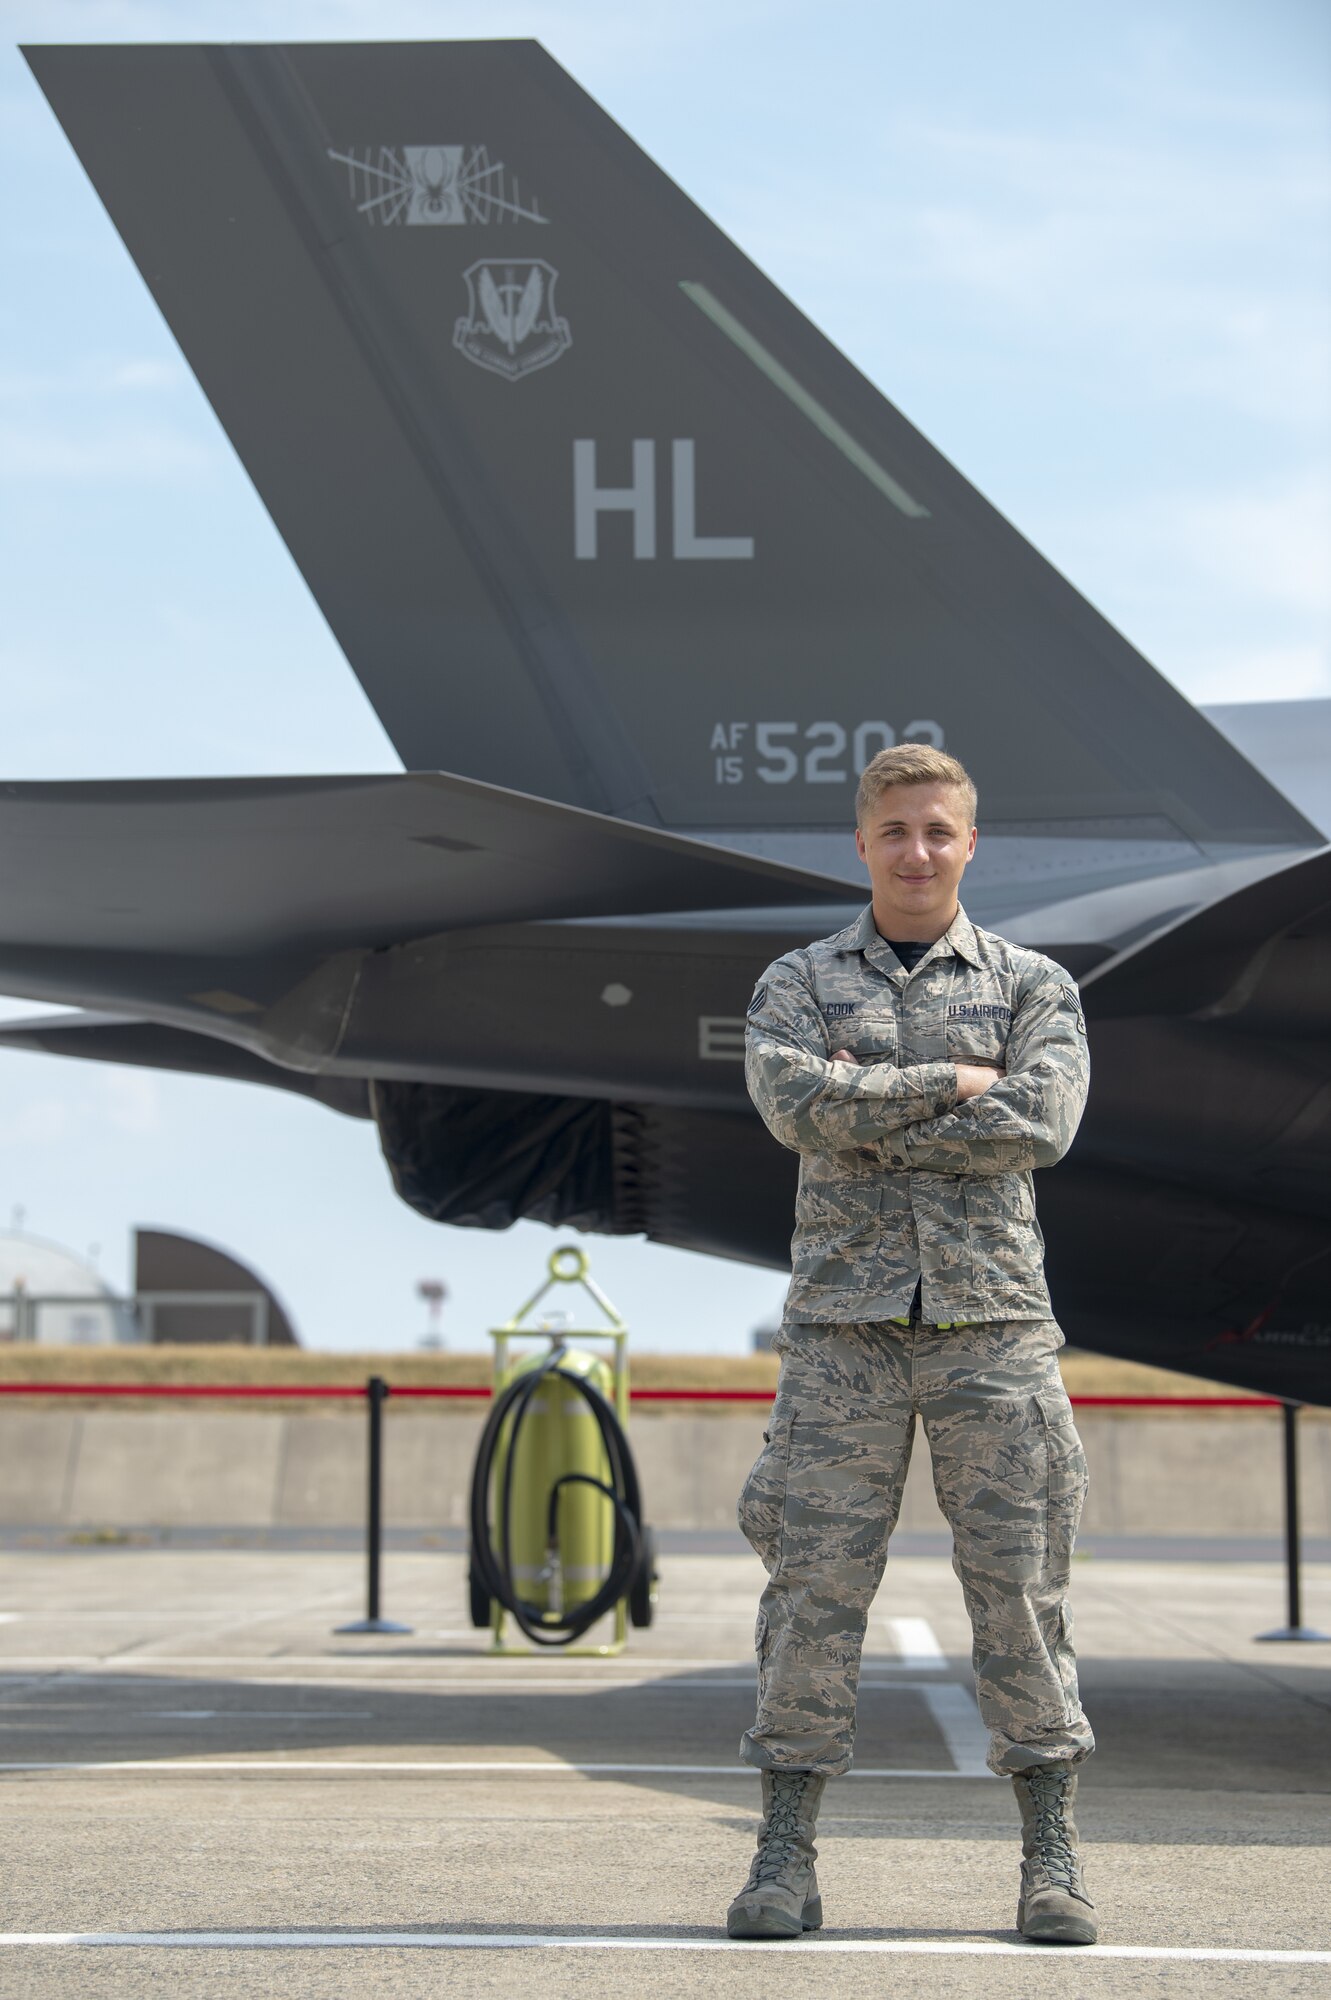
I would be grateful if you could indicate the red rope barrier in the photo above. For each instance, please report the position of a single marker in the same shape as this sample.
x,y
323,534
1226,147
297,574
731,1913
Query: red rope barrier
x,y
177,1389
441,1389
282,1392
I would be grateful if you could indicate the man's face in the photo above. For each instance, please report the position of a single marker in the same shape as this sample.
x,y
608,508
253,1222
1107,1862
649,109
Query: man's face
x,y
916,842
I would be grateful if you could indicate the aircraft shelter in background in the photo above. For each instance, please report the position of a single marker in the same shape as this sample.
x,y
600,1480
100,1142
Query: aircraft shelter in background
x,y
637,571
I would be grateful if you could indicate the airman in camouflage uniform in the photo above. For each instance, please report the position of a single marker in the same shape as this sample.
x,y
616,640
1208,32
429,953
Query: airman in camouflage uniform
x,y
917,1292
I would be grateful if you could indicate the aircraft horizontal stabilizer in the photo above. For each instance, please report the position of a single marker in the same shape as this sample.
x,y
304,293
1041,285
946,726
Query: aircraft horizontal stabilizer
x,y
277,873
114,1038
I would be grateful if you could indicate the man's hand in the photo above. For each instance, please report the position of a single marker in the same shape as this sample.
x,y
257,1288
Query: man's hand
x,y
973,1080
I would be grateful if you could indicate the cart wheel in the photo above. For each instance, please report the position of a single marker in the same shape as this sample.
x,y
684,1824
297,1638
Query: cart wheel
x,y
642,1593
478,1600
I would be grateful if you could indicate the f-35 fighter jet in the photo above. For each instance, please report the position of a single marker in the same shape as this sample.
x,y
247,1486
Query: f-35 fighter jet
x,y
638,571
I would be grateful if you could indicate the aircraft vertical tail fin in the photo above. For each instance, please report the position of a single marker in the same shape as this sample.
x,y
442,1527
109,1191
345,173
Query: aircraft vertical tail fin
x,y
592,509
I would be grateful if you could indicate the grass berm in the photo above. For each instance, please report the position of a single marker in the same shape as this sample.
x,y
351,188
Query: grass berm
x,y
1085,1375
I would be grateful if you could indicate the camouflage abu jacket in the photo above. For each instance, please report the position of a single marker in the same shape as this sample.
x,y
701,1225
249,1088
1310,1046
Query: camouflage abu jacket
x,y
897,1180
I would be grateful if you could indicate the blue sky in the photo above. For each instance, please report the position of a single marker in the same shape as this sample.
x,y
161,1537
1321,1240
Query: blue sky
x,y
1085,249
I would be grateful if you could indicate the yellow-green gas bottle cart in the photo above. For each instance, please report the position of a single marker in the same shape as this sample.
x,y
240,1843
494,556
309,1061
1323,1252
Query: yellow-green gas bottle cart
x,y
557,1535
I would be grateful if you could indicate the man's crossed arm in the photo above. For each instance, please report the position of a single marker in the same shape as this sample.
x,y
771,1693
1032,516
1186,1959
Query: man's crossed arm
x,y
944,1117
1028,1116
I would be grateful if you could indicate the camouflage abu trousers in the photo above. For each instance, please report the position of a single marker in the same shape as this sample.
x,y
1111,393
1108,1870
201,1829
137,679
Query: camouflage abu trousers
x,y
823,1499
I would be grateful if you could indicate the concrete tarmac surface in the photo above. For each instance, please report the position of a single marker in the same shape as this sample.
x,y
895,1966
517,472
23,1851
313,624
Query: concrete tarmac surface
x,y
207,1791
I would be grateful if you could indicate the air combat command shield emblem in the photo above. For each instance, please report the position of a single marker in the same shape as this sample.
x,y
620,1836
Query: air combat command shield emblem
x,y
511,326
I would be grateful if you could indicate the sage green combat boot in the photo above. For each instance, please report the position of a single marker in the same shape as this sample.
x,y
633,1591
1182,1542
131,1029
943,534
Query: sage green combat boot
x,y
780,1898
1054,1907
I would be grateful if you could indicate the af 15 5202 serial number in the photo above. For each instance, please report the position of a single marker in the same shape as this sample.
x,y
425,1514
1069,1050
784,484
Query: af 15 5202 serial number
x,y
814,753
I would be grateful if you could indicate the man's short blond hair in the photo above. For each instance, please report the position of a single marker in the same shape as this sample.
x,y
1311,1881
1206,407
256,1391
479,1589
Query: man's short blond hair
x,y
912,764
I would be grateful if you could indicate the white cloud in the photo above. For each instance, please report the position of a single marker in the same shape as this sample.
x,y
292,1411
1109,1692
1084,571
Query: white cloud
x,y
131,1100
94,375
1162,265
147,374
583,33
138,452
1261,673
42,1121
1268,548
1268,544
1227,591
1273,545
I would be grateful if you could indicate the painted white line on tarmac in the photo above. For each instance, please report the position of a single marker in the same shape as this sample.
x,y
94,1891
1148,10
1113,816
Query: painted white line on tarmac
x,y
290,1766
118,1617
917,1643
16,1693
501,1685
958,1723
333,1662
250,1714
517,1941
586,1683
510,1678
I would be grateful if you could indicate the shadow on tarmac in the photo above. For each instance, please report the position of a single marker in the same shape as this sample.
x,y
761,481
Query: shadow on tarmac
x,y
1163,1725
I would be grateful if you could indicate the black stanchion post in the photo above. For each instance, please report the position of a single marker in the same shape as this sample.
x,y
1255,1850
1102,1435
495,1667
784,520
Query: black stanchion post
x,y
1289,1417
1295,1628
376,1395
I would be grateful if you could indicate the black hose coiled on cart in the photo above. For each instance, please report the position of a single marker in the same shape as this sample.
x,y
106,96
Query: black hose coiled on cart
x,y
492,1569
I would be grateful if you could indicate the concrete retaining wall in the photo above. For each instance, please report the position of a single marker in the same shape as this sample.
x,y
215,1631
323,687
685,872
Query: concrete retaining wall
x,y
179,1468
